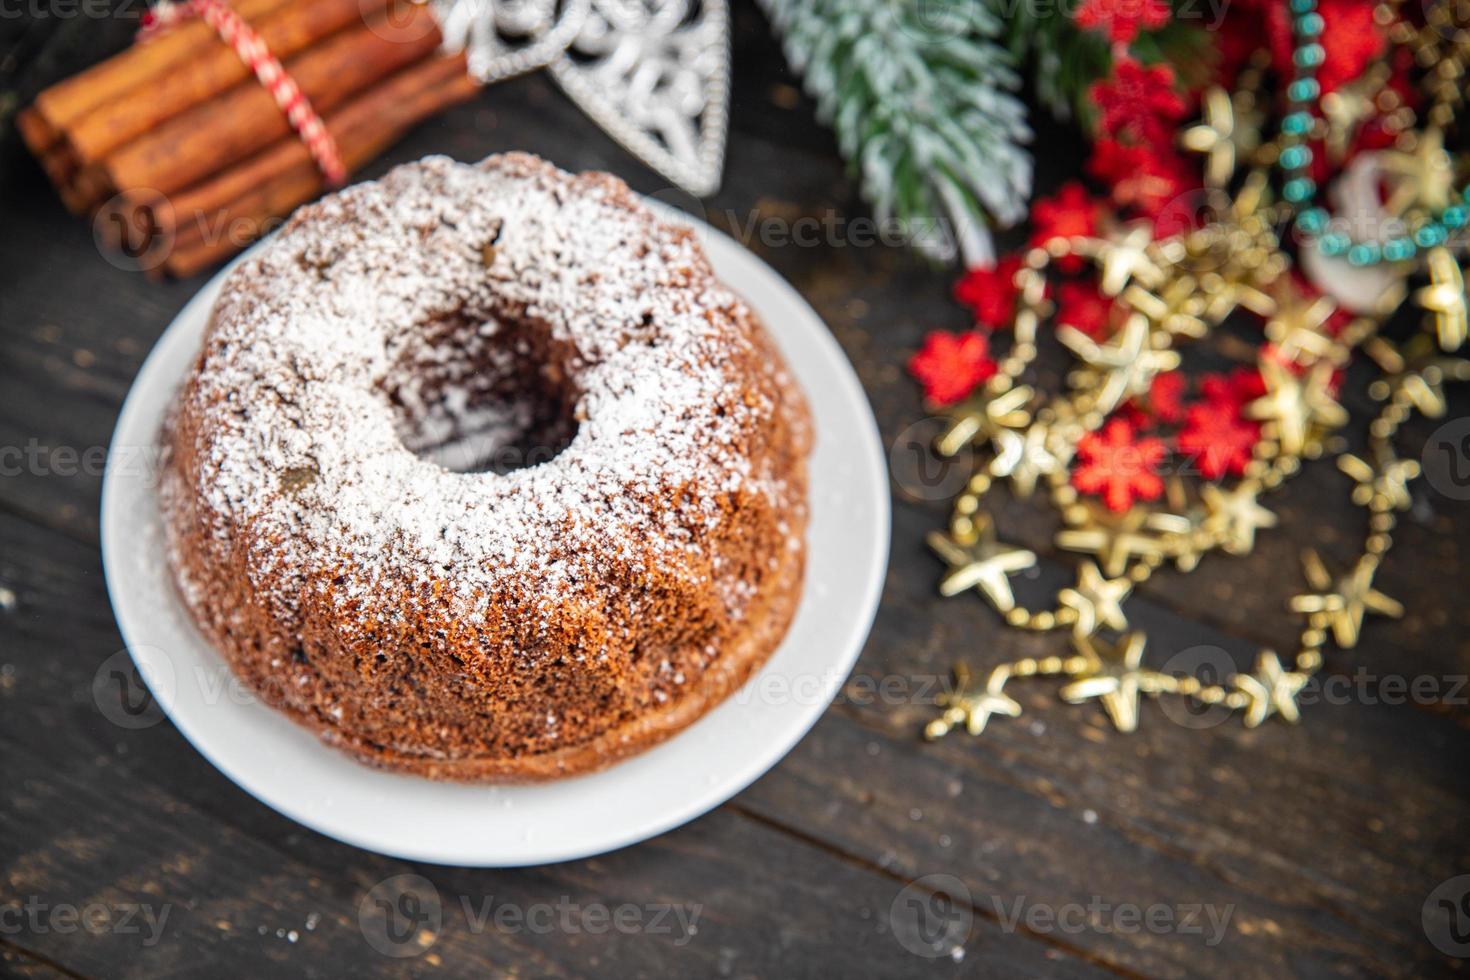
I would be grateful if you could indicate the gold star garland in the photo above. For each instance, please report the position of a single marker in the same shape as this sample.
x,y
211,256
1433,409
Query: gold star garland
x,y
1180,289
1176,290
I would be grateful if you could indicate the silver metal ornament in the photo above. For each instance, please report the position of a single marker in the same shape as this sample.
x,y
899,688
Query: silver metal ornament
x,y
654,74
505,38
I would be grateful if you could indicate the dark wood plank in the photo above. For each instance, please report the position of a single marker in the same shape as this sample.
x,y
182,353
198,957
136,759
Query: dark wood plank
x,y
98,813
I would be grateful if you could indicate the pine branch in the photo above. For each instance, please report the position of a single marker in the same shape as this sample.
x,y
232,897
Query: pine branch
x,y
1066,59
923,111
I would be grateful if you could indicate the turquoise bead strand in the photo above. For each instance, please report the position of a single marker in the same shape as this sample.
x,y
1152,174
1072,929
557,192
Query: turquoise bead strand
x,y
1298,187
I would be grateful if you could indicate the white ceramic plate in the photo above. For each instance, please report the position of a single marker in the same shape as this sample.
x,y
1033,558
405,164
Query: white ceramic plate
x,y
287,768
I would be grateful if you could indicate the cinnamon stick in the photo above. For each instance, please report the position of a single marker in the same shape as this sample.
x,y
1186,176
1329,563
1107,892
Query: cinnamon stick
x,y
81,189
38,134
140,65
284,32
207,219
59,164
215,134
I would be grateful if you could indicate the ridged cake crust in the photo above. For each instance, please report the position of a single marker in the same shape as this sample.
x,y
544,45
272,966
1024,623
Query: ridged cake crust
x,y
520,623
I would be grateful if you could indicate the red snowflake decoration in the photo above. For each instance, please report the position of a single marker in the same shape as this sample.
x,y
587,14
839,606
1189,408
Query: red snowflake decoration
x,y
1142,177
1121,20
1069,213
1118,467
1237,389
1082,307
1166,396
950,365
1139,104
1164,403
1218,439
991,293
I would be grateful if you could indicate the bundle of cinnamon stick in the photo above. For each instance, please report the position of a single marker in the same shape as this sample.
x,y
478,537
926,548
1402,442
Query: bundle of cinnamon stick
x,y
187,156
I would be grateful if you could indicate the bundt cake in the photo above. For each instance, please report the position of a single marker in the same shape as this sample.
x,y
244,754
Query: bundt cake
x,y
482,474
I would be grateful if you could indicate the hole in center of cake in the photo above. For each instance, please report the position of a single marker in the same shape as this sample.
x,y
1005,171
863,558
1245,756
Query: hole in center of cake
x,y
482,397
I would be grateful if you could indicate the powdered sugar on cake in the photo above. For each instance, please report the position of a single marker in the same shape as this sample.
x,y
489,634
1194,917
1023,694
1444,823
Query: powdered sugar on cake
x,y
316,357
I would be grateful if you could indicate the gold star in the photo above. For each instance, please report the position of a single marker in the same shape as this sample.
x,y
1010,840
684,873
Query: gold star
x,y
1419,372
1225,133
1128,363
1296,405
1124,256
1113,539
1425,177
1445,298
1096,599
1113,673
1182,527
1297,327
1345,107
1346,601
1231,293
1272,691
1383,488
1233,517
1025,458
1177,308
973,708
984,415
983,565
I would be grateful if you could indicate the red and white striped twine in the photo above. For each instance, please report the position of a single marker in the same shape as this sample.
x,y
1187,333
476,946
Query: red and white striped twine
x,y
234,31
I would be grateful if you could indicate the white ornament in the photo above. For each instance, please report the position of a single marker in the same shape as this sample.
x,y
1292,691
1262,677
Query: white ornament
x,y
655,74
1356,203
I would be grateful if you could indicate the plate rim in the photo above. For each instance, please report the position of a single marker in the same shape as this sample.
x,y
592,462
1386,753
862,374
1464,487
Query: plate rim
x,y
135,416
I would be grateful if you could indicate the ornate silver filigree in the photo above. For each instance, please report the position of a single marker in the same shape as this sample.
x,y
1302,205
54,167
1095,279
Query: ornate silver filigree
x,y
504,38
655,74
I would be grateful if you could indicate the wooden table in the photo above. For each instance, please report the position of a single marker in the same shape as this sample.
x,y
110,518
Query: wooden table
x,y
1321,843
